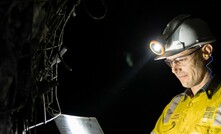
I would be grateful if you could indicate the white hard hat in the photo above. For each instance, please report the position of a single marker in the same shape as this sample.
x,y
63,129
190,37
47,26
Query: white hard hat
x,y
183,32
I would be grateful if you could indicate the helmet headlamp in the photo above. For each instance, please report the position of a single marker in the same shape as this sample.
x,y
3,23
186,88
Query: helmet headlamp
x,y
156,47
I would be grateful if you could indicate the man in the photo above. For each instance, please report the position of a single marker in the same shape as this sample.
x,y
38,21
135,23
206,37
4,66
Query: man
x,y
187,49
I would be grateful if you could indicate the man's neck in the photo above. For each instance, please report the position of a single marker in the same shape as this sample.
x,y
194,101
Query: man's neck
x,y
196,88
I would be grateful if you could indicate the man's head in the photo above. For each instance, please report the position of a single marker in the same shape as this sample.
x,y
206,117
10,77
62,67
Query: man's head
x,y
186,48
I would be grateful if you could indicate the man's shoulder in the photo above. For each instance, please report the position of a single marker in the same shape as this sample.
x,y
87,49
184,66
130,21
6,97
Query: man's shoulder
x,y
177,97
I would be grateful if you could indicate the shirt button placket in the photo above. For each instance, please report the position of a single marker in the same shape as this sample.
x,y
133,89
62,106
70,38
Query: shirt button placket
x,y
185,117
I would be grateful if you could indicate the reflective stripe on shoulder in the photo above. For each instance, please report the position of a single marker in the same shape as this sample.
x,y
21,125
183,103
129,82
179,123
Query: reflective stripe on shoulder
x,y
152,132
172,107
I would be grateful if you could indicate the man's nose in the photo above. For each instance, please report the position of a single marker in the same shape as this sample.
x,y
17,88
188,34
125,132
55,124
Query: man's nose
x,y
175,68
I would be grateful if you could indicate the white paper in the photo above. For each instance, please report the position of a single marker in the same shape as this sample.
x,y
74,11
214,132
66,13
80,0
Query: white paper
x,y
69,124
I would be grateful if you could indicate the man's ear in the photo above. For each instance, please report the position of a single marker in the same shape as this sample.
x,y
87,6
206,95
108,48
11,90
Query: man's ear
x,y
207,51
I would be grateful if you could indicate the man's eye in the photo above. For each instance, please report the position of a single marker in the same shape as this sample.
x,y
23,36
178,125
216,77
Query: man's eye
x,y
181,59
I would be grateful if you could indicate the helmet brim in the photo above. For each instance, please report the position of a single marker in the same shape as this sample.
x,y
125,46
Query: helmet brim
x,y
167,54
173,52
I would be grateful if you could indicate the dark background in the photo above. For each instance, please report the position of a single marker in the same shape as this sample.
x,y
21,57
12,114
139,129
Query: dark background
x,y
114,77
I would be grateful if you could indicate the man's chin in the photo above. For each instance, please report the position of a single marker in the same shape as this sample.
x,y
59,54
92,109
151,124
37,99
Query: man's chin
x,y
185,84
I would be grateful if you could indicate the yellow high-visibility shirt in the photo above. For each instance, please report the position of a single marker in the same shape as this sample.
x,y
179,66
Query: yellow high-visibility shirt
x,y
200,114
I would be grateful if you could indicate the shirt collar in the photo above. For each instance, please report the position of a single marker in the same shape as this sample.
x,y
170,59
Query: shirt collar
x,y
209,88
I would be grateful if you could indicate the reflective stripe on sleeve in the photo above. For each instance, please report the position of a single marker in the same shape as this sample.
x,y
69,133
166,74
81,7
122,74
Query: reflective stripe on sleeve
x,y
217,120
